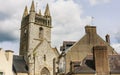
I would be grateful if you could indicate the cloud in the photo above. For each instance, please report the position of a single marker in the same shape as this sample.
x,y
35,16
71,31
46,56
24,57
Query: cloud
x,y
9,29
4,16
10,45
67,21
66,17
117,36
95,2
10,17
6,37
116,47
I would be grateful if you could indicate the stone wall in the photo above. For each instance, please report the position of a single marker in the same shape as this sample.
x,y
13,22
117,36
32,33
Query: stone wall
x,y
6,61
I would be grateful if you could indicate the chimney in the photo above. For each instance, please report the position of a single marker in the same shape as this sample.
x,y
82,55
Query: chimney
x,y
90,29
9,56
107,38
91,34
100,57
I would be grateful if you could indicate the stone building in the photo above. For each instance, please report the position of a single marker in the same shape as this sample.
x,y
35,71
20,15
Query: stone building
x,y
6,61
91,55
36,56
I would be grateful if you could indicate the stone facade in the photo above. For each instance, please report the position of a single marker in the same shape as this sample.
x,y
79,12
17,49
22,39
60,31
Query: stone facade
x,y
84,46
90,55
6,61
35,42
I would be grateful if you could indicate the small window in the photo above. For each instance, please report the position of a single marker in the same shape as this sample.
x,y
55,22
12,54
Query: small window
x,y
48,22
25,32
44,57
1,73
41,32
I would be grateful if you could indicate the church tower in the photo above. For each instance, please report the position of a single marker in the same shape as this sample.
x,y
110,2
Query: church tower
x,y
35,41
34,28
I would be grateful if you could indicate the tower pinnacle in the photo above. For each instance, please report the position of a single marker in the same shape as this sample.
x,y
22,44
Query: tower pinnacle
x,y
47,11
32,9
25,12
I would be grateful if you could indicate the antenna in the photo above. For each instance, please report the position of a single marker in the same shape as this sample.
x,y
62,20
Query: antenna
x,y
92,19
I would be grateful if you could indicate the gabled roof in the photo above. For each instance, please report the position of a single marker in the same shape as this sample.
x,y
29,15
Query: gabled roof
x,y
19,64
43,41
90,39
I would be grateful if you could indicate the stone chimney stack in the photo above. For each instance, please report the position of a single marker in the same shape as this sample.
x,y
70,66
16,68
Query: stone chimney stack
x,y
91,34
107,38
9,56
90,29
100,57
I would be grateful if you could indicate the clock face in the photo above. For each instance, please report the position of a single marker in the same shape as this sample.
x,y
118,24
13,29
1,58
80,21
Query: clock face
x,y
62,65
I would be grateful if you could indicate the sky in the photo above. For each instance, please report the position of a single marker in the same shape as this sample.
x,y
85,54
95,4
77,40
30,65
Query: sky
x,y
69,17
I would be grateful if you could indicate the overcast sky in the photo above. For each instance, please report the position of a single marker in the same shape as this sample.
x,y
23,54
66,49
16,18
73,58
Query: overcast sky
x,y
68,18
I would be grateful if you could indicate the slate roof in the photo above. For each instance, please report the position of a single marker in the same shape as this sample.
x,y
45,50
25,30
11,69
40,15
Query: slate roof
x,y
114,61
19,64
88,65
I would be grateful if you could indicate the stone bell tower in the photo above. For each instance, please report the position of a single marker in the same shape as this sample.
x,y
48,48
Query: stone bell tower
x,y
34,27
35,41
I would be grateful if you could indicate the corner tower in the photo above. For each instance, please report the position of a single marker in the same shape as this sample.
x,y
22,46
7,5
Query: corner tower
x,y
35,27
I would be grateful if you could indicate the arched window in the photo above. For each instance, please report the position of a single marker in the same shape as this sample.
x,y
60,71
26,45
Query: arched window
x,y
41,32
45,71
24,33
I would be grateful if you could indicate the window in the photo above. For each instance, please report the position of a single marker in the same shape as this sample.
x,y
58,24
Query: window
x,y
25,32
48,22
41,32
1,73
44,57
